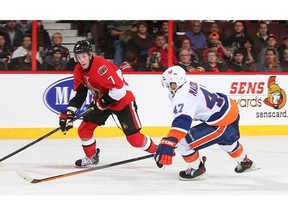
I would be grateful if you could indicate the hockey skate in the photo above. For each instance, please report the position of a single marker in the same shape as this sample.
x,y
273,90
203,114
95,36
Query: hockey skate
x,y
246,165
94,160
194,174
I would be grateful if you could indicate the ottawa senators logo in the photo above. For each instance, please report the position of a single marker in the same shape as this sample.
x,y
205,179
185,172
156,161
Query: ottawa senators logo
x,y
276,96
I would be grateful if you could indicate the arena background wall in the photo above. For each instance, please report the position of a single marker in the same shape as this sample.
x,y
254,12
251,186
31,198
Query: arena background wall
x,y
25,113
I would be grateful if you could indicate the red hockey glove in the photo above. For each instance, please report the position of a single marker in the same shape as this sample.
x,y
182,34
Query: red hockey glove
x,y
65,120
165,151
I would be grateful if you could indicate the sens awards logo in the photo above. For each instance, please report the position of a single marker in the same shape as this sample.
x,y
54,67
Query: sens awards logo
x,y
276,96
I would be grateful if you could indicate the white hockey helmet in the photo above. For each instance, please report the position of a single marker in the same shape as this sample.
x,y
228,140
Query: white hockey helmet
x,y
174,74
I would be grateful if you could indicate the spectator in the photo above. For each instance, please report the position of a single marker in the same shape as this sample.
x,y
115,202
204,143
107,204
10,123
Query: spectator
x,y
140,42
5,54
21,57
271,63
186,63
211,65
270,44
215,27
260,37
130,62
57,40
119,32
44,42
215,44
165,31
154,61
233,41
249,54
162,47
284,60
185,43
154,26
13,36
71,64
238,62
282,47
197,37
54,62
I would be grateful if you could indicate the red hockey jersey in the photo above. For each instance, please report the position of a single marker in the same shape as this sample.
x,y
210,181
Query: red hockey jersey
x,y
104,77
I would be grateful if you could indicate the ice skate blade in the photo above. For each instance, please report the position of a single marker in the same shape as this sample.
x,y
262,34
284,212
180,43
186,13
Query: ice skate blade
x,y
251,169
198,178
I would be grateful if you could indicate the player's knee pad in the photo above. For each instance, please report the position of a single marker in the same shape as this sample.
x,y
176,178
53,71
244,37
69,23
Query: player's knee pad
x,y
86,129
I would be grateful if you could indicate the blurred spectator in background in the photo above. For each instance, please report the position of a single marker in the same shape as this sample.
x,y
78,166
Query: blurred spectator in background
x,y
71,64
282,47
44,42
161,46
185,43
211,65
284,60
57,40
13,35
22,56
271,63
238,62
154,62
270,44
130,62
54,62
197,37
5,54
260,37
140,42
118,34
215,27
154,26
187,63
249,54
233,41
215,44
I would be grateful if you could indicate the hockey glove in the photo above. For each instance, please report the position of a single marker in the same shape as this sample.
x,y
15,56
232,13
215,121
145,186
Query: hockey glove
x,y
104,102
65,120
165,151
100,103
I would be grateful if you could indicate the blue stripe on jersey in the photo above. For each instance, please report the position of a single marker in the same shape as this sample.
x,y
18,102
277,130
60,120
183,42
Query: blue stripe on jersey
x,y
222,111
183,122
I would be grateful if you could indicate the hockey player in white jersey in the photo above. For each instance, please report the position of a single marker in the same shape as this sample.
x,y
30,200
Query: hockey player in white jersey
x,y
219,115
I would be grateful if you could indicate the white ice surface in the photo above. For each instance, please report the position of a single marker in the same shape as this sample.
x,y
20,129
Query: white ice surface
x,y
141,182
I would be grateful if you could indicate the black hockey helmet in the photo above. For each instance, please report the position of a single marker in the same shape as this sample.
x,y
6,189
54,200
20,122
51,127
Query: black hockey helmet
x,y
82,46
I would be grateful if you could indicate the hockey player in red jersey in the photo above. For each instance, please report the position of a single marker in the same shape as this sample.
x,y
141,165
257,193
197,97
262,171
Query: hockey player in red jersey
x,y
219,115
111,95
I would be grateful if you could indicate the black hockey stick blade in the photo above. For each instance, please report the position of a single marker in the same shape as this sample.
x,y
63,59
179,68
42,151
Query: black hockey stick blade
x,y
45,136
22,174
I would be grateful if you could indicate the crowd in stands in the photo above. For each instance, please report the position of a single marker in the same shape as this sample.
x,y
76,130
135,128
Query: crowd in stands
x,y
197,46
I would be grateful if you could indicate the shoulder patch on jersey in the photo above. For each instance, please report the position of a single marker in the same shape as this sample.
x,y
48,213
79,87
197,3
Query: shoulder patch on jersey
x,y
102,70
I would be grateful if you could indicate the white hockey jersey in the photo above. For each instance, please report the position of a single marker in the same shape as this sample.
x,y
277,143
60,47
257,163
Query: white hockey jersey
x,y
195,102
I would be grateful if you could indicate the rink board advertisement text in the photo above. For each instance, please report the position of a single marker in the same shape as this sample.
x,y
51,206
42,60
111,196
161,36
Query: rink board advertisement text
x,y
31,102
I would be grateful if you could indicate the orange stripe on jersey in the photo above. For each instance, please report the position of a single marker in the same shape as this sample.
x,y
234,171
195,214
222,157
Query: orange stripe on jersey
x,y
237,152
191,158
230,116
215,134
177,134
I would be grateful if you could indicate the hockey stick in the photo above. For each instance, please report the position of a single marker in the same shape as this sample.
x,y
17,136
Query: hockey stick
x,y
22,174
46,135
